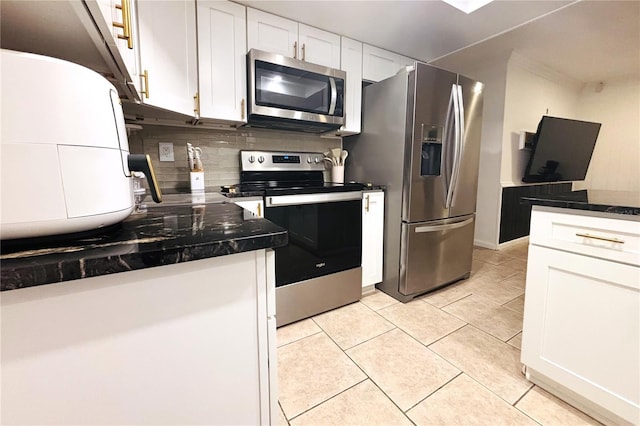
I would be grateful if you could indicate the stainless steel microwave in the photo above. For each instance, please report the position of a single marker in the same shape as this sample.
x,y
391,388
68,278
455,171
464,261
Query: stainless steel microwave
x,y
286,93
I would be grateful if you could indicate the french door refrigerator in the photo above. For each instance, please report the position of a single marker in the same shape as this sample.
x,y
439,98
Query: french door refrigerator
x,y
421,140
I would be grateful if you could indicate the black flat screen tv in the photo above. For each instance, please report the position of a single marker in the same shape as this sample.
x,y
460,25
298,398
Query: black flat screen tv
x,y
562,150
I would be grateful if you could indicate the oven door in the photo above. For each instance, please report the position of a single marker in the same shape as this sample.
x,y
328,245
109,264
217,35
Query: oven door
x,y
289,89
325,234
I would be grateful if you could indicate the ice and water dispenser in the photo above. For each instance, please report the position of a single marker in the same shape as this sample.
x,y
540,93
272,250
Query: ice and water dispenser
x,y
431,150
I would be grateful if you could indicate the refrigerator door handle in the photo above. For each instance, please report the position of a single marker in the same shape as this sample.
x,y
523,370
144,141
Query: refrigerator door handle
x,y
445,227
449,143
456,144
459,143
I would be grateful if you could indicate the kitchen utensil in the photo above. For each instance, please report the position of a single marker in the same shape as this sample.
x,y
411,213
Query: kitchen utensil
x,y
335,153
190,156
330,160
343,156
197,152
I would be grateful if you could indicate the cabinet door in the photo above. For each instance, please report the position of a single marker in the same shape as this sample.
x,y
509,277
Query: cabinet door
x,y
255,207
197,355
222,46
168,54
351,63
318,46
272,33
378,64
119,27
581,327
372,237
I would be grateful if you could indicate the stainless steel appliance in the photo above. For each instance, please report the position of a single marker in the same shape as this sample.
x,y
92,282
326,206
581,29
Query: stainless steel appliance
x,y
290,94
421,139
320,268
65,165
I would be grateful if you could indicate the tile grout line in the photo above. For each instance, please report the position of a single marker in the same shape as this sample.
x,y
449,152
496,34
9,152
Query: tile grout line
x,y
364,372
432,393
296,340
326,400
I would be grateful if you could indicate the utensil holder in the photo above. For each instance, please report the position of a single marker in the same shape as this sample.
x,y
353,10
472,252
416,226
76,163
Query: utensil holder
x,y
337,174
197,181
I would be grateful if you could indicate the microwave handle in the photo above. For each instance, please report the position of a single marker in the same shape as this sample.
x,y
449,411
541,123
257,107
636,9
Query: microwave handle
x,y
334,95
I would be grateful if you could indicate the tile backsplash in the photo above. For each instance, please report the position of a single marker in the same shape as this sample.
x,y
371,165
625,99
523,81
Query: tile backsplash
x,y
220,151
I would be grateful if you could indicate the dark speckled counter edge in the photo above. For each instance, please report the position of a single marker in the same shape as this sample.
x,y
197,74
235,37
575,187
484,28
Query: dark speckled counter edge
x,y
579,205
30,274
162,236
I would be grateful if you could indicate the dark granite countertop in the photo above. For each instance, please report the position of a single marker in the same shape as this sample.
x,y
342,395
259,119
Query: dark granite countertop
x,y
172,233
620,202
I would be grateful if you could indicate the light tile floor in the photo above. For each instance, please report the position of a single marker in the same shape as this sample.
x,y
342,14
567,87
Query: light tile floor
x,y
451,357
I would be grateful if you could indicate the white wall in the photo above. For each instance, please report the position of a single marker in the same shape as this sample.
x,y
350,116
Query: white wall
x,y
615,164
532,91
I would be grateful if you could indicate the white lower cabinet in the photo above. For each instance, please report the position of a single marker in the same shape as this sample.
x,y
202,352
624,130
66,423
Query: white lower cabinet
x,y
581,331
187,343
254,206
372,237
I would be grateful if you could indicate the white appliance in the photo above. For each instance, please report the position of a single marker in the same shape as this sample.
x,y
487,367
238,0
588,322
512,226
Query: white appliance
x,y
65,163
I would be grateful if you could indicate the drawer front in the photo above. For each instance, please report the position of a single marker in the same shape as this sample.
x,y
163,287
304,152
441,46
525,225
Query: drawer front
x,y
616,239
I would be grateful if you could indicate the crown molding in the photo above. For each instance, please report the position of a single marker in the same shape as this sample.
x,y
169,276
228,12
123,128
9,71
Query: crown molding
x,y
545,71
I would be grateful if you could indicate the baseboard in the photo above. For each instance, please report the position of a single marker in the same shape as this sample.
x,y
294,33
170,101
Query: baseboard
x,y
369,289
485,244
507,244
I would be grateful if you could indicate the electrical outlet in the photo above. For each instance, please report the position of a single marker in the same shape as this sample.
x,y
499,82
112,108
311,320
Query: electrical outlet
x,y
166,151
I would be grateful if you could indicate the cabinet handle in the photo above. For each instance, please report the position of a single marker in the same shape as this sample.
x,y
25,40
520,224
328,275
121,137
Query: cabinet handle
x,y
145,76
611,240
259,209
303,51
196,105
126,23
295,50
242,109
366,204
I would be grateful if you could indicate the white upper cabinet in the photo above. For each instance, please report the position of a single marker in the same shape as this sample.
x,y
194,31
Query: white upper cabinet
x,y
351,63
117,22
318,46
222,46
378,64
275,34
272,33
168,57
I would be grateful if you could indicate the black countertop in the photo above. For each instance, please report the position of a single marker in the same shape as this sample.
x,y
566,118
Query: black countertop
x,y
172,233
620,202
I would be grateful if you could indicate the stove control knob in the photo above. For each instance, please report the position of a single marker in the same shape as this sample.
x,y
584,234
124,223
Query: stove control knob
x,y
316,160
309,160
252,159
261,159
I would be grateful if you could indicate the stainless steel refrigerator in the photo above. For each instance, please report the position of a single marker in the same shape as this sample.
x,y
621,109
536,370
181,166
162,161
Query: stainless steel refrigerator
x,y
421,140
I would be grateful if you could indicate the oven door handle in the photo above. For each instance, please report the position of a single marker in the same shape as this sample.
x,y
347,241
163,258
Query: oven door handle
x,y
292,200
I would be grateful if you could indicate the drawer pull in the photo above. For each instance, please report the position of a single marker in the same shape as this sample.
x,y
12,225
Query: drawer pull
x,y
611,240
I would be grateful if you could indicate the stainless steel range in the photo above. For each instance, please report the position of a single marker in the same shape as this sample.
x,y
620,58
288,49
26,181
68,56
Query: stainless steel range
x,y
320,268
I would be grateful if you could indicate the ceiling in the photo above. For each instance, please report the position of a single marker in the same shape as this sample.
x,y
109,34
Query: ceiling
x,y
587,40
